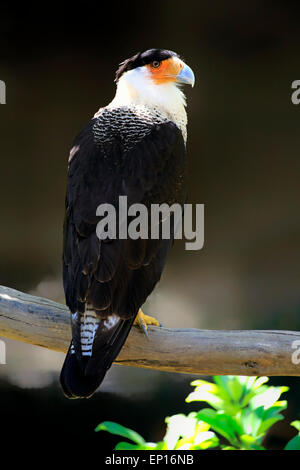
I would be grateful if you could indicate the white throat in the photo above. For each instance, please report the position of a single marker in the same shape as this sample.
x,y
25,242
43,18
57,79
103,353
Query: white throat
x,y
136,88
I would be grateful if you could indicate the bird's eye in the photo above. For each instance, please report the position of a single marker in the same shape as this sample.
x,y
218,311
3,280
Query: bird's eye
x,y
155,64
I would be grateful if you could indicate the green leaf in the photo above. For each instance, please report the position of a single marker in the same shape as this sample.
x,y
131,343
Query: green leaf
x,y
127,446
250,443
118,429
200,394
246,439
221,396
236,388
203,436
146,446
266,424
252,385
256,422
296,424
268,397
161,445
224,390
257,447
293,444
251,420
275,409
206,444
204,383
179,425
258,381
221,423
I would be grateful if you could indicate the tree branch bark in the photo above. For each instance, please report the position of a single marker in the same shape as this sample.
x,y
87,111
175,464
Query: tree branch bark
x,y
46,323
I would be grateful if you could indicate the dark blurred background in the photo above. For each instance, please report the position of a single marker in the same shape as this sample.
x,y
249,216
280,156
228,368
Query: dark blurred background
x,y
243,145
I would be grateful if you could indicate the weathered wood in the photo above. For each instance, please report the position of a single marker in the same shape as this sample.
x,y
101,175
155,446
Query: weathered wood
x,y
45,323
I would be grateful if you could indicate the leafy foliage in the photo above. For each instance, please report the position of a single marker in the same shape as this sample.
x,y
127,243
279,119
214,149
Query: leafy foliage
x,y
294,444
242,410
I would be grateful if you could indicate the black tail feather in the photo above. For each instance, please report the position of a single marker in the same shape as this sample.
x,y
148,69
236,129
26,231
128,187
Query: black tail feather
x,y
80,378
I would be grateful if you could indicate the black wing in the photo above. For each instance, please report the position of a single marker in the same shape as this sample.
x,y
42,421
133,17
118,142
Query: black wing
x,y
117,276
113,278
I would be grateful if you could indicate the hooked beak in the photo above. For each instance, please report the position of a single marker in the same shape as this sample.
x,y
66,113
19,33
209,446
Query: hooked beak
x,y
186,76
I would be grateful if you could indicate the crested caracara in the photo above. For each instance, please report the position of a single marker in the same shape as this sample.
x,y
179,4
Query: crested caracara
x,y
135,147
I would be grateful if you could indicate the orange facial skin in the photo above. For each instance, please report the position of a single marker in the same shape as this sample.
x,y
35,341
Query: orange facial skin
x,y
167,70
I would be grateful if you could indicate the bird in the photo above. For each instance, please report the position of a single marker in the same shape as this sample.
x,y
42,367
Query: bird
x,y
135,147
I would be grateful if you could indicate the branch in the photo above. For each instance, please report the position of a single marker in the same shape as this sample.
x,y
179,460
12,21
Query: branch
x,y
46,323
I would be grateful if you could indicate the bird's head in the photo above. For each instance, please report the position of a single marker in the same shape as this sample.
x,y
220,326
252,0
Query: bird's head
x,y
156,67
153,77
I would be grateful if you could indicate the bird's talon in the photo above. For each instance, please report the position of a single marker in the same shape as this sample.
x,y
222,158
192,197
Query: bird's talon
x,y
143,320
144,328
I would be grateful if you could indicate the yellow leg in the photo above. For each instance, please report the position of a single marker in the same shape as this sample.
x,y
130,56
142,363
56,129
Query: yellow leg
x,y
143,320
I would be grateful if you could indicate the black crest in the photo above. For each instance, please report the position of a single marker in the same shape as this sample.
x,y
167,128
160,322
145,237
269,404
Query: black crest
x,y
143,58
